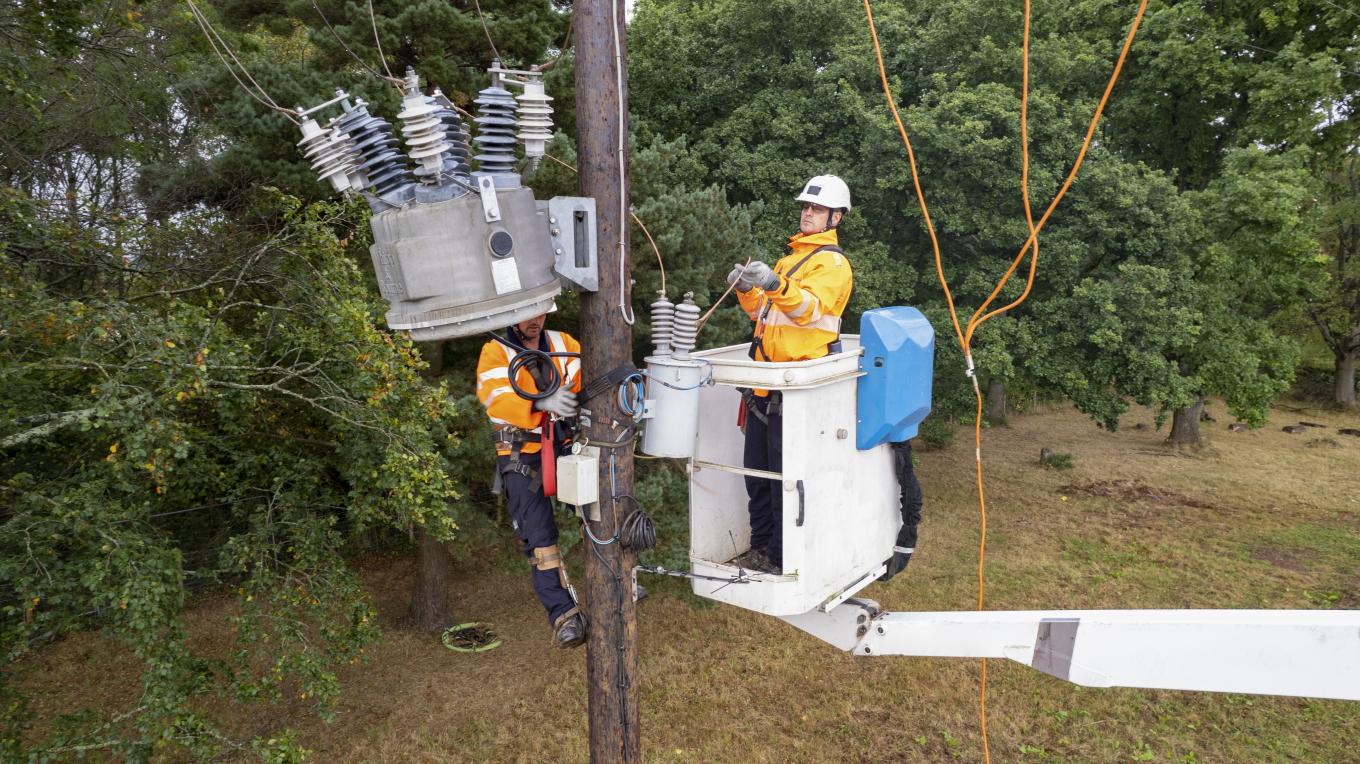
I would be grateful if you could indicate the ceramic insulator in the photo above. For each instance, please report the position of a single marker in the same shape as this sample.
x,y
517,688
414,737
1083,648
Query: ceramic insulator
x,y
330,152
383,165
685,327
495,131
663,319
534,119
424,134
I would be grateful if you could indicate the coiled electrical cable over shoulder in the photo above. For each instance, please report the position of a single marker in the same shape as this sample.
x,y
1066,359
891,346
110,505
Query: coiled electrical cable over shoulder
x,y
524,356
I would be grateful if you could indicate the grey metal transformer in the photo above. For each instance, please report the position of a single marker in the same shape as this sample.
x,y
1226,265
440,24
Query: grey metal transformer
x,y
457,251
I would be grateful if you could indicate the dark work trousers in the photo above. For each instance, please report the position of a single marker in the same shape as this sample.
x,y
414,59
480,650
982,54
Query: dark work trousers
x,y
764,450
531,514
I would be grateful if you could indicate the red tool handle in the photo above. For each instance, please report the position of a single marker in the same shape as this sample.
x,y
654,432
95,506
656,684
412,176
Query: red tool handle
x,y
548,466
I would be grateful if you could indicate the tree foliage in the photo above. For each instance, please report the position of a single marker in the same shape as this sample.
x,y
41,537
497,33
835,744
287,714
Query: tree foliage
x,y
235,418
1121,310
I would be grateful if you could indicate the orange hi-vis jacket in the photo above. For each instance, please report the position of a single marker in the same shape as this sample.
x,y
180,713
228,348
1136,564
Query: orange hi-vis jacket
x,y
799,319
503,406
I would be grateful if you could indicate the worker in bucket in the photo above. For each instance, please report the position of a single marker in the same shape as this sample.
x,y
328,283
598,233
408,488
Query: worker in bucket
x,y
528,431
796,307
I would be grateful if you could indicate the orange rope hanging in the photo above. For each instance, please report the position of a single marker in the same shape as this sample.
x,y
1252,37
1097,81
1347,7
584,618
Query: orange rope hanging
x,y
1031,246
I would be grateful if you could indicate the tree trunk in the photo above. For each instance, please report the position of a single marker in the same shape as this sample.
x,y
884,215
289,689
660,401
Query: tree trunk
x,y
1185,424
996,400
1345,379
433,353
429,610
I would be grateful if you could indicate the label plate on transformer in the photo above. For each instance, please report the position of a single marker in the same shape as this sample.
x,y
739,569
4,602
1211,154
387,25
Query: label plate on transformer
x,y
505,275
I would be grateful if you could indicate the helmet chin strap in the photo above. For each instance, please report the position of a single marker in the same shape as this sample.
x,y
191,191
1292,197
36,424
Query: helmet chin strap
x,y
830,225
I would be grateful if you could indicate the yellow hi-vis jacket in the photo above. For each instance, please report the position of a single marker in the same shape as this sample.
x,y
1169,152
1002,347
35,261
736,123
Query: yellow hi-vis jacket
x,y
799,319
503,406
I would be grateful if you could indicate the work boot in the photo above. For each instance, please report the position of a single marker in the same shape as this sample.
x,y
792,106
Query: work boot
x,y
755,559
569,630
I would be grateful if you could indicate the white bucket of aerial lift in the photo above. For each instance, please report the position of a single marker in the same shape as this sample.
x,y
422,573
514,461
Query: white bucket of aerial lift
x,y
841,509
671,405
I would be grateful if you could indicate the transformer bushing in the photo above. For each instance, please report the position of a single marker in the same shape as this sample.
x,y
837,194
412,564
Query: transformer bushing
x,y
424,135
456,133
535,120
663,318
330,152
383,166
447,272
496,136
685,327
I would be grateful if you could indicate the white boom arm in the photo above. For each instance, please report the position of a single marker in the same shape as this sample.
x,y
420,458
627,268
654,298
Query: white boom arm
x,y
1308,653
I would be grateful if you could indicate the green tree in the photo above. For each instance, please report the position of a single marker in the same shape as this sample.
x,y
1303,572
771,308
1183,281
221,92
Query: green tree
x,y
293,54
208,429
1334,305
788,104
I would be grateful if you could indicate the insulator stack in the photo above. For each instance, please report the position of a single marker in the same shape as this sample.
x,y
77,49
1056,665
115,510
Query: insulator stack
x,y
495,131
382,164
535,119
424,134
330,152
685,327
663,321
456,133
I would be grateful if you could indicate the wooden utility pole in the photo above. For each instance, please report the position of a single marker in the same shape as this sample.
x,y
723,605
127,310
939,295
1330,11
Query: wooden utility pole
x,y
606,343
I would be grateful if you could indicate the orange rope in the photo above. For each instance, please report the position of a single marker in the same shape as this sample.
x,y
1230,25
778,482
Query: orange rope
x,y
915,177
975,322
1031,246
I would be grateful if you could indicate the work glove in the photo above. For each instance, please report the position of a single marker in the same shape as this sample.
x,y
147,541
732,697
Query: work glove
x,y
562,403
735,277
753,274
759,274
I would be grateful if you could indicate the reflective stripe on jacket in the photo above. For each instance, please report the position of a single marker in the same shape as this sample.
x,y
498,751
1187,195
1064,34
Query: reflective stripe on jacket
x,y
502,405
804,313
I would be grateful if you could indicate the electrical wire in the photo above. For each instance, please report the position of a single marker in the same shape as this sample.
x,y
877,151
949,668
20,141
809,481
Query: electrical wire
x,y
373,19
631,394
624,308
703,320
215,39
526,355
487,32
639,530
561,49
980,316
350,51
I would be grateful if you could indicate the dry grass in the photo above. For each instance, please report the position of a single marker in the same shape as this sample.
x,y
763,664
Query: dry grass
x,y
1257,519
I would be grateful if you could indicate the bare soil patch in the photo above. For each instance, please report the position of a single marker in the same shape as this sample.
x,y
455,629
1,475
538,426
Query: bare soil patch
x,y
1136,491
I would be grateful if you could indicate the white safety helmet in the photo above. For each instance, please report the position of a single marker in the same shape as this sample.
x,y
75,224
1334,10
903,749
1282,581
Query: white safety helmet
x,y
828,191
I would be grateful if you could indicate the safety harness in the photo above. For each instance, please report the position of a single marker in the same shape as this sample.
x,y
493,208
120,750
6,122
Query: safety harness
x,y
511,438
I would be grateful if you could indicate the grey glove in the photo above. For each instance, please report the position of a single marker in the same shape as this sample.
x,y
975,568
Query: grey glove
x,y
759,274
562,403
735,277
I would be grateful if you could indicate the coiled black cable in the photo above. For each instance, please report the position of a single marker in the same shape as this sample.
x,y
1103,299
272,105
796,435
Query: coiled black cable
x,y
638,531
526,355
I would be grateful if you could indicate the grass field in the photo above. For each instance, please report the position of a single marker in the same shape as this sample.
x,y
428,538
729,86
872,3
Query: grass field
x,y
1256,519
